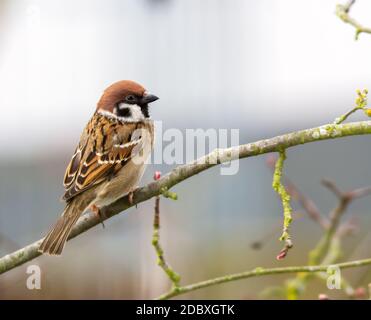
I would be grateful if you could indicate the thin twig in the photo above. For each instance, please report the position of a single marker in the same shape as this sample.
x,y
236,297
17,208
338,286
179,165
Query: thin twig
x,y
359,193
335,215
333,255
327,250
268,235
257,273
360,104
332,187
342,11
285,198
173,276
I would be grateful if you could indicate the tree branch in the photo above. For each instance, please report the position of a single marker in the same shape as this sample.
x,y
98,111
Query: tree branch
x,y
259,272
342,11
183,172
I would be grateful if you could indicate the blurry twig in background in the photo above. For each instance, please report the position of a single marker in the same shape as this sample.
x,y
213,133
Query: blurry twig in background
x,y
266,237
328,249
173,276
342,11
345,198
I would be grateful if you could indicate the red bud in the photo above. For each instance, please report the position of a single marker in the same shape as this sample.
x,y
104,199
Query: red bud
x,y
157,175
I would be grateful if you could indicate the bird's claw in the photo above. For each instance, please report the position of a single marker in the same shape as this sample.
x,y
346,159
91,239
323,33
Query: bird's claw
x,y
98,213
131,196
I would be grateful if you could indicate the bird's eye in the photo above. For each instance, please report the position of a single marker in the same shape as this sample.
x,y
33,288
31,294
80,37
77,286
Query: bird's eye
x,y
130,98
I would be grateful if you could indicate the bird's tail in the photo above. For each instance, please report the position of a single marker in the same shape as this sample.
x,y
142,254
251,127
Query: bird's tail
x,y
55,240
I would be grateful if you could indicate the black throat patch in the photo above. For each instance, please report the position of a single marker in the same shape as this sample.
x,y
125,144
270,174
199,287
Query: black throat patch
x,y
145,110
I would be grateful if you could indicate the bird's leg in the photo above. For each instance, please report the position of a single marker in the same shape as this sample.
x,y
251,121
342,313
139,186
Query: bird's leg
x,y
131,195
98,213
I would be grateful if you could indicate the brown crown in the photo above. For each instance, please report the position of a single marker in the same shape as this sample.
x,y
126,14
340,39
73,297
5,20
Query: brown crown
x,y
117,92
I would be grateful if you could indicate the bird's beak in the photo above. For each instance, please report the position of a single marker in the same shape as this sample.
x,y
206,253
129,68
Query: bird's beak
x,y
148,98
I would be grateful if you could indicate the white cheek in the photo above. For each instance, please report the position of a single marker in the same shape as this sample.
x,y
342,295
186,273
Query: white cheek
x,y
123,105
136,113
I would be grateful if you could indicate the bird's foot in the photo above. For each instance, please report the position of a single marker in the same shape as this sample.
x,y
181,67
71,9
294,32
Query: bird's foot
x,y
98,213
131,195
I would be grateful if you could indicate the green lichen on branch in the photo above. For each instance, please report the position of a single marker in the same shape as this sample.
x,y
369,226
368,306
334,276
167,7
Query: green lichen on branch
x,y
169,194
259,272
285,198
173,276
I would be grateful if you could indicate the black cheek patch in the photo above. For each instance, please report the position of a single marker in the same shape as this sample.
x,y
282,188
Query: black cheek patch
x,y
124,112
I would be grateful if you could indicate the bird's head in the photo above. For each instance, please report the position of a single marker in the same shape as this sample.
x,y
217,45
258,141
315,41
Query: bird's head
x,y
126,100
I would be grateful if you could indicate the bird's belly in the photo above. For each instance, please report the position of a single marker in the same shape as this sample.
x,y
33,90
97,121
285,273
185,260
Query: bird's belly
x,y
125,181
128,177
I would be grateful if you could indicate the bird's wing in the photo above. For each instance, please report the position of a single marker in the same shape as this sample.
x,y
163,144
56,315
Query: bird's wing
x,y
104,148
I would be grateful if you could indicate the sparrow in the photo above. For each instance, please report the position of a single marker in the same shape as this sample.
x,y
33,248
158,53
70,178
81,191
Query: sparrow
x,y
109,159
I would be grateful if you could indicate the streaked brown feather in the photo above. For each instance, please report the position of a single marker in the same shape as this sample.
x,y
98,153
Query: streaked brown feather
x,y
55,240
103,150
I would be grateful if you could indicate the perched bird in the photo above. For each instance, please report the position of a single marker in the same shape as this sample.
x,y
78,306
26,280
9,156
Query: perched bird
x,y
109,160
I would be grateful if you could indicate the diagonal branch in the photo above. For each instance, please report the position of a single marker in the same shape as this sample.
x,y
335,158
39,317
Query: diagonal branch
x,y
183,172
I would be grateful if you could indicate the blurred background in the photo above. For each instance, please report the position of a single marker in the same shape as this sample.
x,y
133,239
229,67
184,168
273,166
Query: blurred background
x,y
265,67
